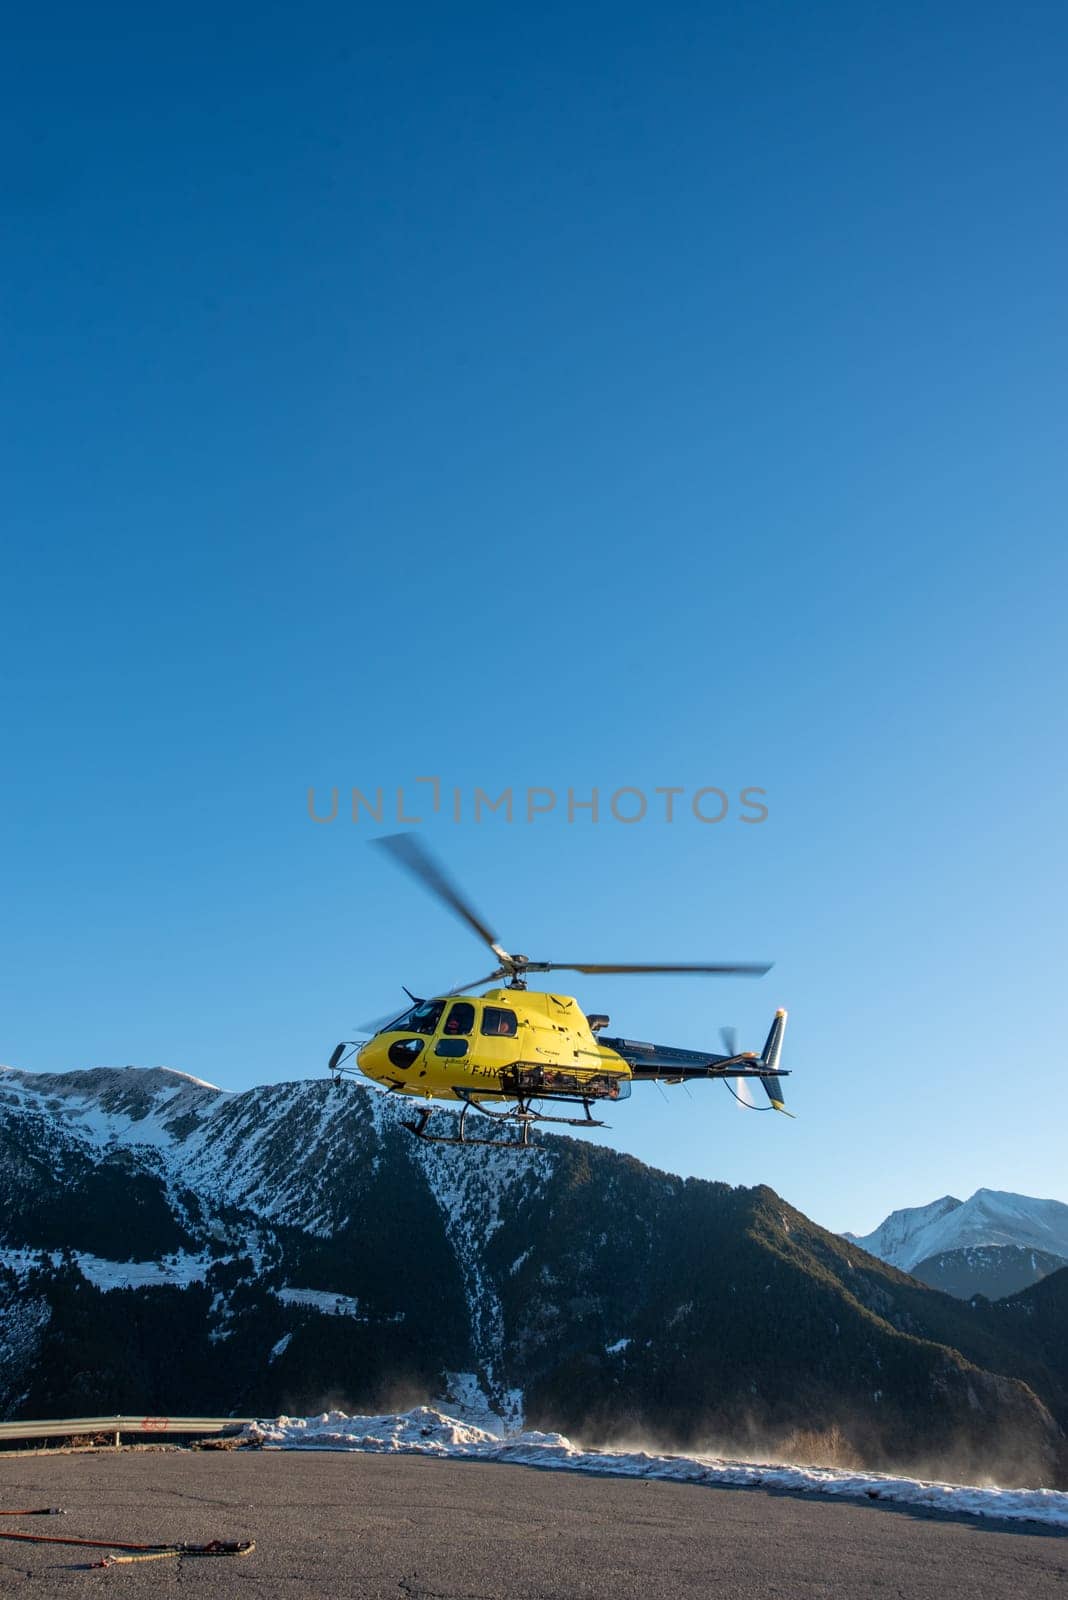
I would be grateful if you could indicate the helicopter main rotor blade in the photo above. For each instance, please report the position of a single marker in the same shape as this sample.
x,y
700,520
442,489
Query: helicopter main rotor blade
x,y
377,1024
465,988
739,969
410,853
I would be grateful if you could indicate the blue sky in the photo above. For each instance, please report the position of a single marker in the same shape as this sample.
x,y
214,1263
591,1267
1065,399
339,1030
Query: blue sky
x,y
578,396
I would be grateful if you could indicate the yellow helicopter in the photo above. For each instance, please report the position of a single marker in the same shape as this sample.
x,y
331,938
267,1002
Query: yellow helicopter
x,y
505,1052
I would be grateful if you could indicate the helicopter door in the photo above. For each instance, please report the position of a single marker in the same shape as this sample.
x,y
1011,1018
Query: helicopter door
x,y
456,1030
498,1040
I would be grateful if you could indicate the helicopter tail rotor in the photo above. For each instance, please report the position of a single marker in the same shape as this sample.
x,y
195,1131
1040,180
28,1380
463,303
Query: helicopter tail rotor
x,y
739,1088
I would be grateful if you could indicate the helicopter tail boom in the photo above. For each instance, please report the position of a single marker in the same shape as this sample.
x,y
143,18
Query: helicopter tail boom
x,y
670,1064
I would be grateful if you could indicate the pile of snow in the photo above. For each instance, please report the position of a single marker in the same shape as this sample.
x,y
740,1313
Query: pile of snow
x,y
426,1431
990,1217
421,1431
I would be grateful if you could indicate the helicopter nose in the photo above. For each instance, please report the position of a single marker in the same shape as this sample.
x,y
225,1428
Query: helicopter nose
x,y
371,1060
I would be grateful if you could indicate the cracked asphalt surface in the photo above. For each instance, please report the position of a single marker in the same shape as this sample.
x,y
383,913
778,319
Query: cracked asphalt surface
x,y
411,1528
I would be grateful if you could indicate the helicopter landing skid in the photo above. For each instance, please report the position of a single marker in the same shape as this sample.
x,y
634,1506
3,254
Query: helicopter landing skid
x,y
522,1117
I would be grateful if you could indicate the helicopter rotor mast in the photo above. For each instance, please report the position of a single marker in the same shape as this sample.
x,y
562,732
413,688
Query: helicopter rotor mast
x,y
409,852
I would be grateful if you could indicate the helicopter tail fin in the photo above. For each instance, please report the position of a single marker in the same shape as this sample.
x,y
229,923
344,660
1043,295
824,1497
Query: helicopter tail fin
x,y
769,1061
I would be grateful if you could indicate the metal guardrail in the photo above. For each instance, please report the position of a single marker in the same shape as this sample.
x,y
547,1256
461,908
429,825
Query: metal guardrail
x,y
142,1427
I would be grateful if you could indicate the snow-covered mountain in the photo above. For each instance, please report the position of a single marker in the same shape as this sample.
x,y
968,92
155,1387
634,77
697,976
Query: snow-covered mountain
x,y
994,1243
895,1238
167,1246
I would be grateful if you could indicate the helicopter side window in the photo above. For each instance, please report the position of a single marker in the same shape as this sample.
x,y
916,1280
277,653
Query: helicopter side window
x,y
461,1018
495,1020
422,1018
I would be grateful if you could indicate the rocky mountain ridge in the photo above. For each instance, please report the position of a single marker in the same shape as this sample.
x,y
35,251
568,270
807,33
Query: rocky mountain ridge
x,y
166,1245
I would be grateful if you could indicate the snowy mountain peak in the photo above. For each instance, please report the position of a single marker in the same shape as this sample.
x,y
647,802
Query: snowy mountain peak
x,y
138,1085
991,1217
103,1103
895,1238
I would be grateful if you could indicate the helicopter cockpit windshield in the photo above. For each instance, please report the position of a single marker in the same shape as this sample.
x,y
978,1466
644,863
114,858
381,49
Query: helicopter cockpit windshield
x,y
422,1018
